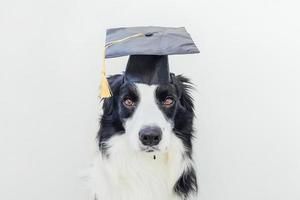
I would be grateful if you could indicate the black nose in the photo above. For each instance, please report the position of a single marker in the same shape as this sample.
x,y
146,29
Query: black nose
x,y
150,135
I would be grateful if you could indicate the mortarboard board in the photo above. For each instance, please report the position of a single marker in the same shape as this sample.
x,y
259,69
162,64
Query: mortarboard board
x,y
148,49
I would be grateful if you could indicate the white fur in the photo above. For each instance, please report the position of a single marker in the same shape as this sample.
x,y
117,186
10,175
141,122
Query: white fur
x,y
131,174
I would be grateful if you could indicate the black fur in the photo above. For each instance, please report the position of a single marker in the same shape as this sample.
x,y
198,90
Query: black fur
x,y
186,184
182,114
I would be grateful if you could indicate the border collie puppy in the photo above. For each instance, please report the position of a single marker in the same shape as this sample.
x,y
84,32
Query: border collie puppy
x,y
145,140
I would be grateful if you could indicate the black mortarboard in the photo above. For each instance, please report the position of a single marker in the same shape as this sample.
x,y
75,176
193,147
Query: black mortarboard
x,y
148,48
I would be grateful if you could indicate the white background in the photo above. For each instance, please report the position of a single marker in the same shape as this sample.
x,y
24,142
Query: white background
x,y
247,97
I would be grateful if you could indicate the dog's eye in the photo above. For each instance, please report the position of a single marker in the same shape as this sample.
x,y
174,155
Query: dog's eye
x,y
129,103
168,102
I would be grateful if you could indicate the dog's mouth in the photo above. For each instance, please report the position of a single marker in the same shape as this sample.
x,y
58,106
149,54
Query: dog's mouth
x,y
149,149
155,152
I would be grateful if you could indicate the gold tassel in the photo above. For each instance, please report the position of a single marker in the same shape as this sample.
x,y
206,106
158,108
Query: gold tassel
x,y
105,88
105,91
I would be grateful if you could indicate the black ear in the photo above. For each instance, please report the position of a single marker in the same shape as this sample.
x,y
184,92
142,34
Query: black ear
x,y
184,86
115,82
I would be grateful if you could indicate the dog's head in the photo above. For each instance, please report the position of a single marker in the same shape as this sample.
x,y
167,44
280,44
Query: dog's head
x,y
148,114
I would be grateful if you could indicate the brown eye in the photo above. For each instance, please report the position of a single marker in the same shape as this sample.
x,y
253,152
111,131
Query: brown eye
x,y
168,102
129,103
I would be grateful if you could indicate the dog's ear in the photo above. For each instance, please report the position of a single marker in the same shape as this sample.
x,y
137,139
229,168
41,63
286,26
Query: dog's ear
x,y
115,83
184,87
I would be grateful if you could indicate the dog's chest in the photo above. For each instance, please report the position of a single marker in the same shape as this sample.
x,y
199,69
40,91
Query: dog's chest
x,y
127,175
141,184
144,180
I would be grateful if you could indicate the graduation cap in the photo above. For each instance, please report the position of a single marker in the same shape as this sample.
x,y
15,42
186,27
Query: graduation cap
x,y
148,49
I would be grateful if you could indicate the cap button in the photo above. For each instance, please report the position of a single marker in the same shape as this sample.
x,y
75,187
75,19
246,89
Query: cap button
x,y
148,34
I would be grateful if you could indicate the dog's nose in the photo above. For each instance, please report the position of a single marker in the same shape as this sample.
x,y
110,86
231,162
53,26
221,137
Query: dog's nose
x,y
150,135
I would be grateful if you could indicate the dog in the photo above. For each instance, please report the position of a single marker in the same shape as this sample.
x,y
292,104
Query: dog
x,y
145,142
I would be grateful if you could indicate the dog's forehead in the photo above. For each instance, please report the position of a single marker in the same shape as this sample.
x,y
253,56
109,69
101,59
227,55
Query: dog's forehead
x,y
146,91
